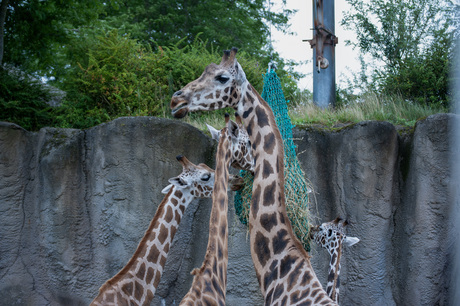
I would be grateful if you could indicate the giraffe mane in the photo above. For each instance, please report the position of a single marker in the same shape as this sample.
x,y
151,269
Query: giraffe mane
x,y
144,240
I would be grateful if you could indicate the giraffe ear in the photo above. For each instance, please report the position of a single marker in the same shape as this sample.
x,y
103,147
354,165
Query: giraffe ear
x,y
167,189
349,241
240,75
215,134
234,130
177,181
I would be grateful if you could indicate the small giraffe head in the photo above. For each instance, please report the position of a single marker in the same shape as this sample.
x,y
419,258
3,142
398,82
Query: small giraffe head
x,y
241,148
198,179
331,235
218,87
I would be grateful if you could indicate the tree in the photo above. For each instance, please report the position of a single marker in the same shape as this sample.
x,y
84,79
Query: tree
x,y
403,35
46,36
425,78
223,24
35,31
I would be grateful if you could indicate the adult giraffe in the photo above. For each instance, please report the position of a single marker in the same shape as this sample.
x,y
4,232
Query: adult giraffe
x,y
282,266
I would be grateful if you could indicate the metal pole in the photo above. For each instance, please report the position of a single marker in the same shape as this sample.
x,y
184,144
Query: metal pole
x,y
323,44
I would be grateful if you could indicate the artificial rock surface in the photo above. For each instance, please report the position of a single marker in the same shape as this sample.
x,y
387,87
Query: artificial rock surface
x,y
74,204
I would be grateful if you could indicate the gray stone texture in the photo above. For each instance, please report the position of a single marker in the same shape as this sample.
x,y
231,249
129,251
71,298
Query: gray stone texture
x,y
74,204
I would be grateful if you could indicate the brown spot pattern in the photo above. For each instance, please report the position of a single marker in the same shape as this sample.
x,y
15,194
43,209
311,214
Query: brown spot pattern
x,y
163,234
262,118
262,249
268,221
267,169
169,214
269,194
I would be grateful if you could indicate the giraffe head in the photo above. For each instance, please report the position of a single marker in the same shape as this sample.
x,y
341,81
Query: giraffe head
x,y
331,235
198,179
241,148
218,87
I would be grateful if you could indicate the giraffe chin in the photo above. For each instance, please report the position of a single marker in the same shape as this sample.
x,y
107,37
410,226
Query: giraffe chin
x,y
180,112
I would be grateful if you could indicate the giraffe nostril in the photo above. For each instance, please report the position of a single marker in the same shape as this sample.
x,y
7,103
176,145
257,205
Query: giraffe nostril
x,y
177,93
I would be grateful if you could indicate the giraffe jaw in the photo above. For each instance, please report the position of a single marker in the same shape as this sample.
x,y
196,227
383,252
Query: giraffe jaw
x,y
180,111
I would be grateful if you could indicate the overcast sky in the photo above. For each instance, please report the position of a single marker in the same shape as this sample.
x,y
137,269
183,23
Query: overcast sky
x,y
292,47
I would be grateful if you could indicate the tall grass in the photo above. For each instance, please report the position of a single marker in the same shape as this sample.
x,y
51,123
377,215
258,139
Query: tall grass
x,y
369,106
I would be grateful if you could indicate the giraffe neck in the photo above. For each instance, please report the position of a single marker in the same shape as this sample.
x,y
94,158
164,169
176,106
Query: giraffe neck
x,y
138,280
333,279
282,265
210,281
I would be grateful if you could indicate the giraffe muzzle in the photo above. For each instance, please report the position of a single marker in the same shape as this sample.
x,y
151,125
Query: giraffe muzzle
x,y
179,108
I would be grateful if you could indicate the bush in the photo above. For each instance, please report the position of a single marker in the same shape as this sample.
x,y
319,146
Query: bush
x,y
424,79
23,101
114,76
124,78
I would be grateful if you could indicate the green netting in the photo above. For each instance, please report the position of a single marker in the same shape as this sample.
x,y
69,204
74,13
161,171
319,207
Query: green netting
x,y
296,188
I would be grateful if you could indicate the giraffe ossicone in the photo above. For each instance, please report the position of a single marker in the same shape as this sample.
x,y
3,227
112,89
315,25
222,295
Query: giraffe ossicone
x,y
331,236
282,266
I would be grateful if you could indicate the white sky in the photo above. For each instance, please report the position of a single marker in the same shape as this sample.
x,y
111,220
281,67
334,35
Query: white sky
x,y
291,46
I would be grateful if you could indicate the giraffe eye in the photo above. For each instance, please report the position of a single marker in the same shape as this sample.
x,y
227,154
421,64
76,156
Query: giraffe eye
x,y
222,79
206,177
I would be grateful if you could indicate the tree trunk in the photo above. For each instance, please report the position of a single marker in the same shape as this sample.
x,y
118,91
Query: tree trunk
x,y
3,9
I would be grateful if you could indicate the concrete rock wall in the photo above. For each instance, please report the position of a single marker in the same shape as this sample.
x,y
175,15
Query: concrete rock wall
x,y
74,204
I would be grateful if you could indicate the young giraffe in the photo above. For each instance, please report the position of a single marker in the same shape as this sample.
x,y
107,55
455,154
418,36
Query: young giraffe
x,y
210,281
137,281
331,236
282,266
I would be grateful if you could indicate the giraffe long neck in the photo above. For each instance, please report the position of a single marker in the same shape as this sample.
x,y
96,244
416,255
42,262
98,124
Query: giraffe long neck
x,y
137,281
210,281
333,279
282,265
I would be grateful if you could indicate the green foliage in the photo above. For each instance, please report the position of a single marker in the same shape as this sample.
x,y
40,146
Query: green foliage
x,y
38,32
157,48
413,40
44,36
124,78
23,101
425,79
222,24
120,78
